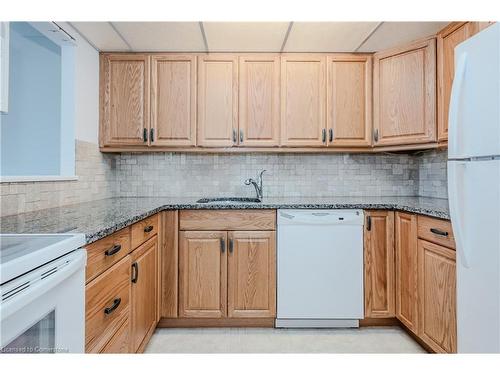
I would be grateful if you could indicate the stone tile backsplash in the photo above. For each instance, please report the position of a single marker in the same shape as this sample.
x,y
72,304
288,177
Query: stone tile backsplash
x,y
433,174
96,180
197,175
288,175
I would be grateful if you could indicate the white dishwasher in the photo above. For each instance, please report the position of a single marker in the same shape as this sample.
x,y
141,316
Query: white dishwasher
x,y
320,268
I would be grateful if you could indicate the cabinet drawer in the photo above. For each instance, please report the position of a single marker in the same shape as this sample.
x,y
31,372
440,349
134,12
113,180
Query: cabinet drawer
x,y
120,342
144,230
104,253
436,230
227,220
107,300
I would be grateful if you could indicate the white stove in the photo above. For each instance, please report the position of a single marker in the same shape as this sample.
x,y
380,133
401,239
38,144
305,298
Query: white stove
x,y
42,288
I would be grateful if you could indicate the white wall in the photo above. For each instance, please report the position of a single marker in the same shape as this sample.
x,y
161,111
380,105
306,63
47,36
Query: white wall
x,y
87,89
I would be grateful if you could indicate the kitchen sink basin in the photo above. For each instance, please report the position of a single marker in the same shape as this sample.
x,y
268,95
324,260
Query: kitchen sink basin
x,y
229,200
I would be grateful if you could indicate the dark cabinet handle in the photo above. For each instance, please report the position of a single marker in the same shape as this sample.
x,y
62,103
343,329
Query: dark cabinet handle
x,y
234,136
113,250
222,245
135,269
375,135
231,245
145,135
152,135
323,135
241,136
439,232
148,229
330,135
113,307
368,223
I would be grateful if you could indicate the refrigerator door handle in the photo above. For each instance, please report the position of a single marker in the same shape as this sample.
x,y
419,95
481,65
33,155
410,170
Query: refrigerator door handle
x,y
456,170
453,114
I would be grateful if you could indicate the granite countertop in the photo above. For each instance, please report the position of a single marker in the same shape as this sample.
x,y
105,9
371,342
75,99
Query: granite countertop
x,y
97,219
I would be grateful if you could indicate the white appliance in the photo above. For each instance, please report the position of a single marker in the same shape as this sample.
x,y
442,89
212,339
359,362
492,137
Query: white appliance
x,y
320,268
474,189
42,288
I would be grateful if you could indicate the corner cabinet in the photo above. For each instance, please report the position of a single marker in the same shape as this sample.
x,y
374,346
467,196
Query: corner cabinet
x,y
124,97
379,264
404,95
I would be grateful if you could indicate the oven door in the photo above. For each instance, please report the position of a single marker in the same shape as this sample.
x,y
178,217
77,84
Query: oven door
x,y
44,310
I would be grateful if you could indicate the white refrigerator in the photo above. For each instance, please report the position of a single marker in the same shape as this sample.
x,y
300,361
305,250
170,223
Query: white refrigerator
x,y
474,189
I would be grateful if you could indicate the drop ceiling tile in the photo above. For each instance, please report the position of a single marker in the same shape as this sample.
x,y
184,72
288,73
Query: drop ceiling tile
x,y
393,34
162,36
327,36
245,36
101,35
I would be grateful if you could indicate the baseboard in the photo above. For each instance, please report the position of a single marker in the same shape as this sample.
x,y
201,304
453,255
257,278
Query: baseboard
x,y
378,322
215,322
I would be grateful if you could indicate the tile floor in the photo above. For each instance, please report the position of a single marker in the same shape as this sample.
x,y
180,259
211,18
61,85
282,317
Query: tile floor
x,y
268,340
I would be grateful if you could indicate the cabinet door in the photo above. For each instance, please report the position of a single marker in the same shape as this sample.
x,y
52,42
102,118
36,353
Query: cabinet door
x,y
259,100
447,40
379,264
405,95
173,100
144,292
124,96
437,292
349,100
252,274
202,274
303,100
406,270
217,100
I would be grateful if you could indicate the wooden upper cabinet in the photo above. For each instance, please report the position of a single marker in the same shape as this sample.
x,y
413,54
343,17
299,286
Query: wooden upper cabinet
x,y
379,264
217,100
173,100
303,100
124,96
202,274
144,292
437,296
349,100
252,274
406,270
405,94
259,110
447,39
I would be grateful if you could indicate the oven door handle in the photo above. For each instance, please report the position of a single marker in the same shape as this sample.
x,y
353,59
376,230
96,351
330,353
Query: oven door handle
x,y
39,288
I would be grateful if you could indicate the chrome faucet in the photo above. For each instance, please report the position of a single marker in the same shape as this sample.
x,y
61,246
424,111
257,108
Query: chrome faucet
x,y
256,184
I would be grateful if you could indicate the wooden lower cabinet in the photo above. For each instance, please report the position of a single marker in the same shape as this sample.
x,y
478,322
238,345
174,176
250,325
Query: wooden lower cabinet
x,y
252,274
107,305
120,342
437,296
406,270
202,274
144,293
227,274
379,264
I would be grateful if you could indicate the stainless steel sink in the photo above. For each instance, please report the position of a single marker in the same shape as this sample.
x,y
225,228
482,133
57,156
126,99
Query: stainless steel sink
x,y
229,200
